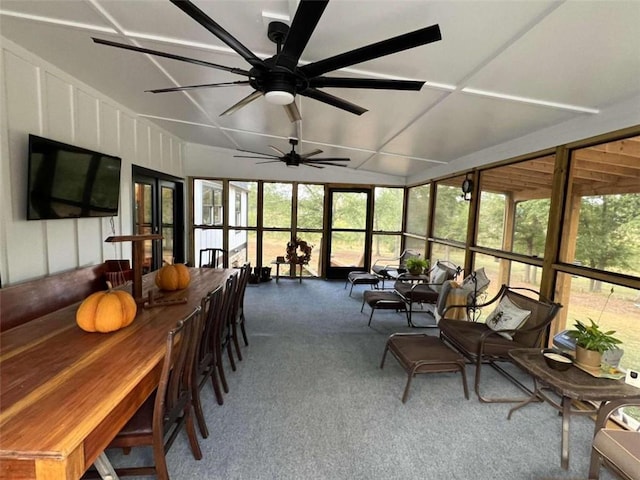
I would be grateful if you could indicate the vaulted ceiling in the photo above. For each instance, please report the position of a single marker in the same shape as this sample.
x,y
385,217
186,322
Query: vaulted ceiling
x,y
503,69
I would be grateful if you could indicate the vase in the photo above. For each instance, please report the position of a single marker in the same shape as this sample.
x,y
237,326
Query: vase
x,y
588,358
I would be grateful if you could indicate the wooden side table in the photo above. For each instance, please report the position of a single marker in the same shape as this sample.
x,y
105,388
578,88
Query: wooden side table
x,y
572,384
277,263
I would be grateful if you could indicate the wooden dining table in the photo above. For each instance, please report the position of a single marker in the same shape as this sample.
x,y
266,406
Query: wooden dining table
x,y
65,393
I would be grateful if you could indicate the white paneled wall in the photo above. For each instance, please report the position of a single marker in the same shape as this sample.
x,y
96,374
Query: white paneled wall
x,y
38,98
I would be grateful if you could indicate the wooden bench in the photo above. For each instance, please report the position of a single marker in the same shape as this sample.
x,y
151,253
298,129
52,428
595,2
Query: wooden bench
x,y
23,302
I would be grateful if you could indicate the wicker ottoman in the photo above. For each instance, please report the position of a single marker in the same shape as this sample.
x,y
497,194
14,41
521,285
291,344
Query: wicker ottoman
x,y
420,353
384,299
361,278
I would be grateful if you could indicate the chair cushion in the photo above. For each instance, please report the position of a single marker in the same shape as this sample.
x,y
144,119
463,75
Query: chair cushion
x,y
621,448
480,284
439,273
383,299
416,292
466,336
362,278
507,316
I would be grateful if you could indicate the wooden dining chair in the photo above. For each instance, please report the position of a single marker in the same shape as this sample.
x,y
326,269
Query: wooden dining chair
x,y
214,258
225,328
205,362
236,318
161,417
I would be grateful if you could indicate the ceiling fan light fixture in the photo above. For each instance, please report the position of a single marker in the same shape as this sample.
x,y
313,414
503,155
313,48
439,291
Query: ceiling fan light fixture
x,y
279,97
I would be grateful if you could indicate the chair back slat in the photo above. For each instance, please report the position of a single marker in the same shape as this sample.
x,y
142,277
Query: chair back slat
x,y
211,305
174,390
214,258
238,294
227,306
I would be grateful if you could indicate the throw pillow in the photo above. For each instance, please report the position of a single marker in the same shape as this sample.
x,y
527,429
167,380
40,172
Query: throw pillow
x,y
437,277
507,316
481,282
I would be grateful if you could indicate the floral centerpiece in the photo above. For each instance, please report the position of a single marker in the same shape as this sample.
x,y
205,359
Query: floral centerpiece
x,y
299,252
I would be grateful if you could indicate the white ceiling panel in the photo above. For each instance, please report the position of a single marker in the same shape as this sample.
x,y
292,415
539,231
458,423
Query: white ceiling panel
x,y
462,124
393,165
585,54
572,53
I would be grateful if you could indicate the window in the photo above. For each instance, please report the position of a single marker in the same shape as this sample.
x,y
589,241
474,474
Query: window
x,y
310,206
277,201
611,306
604,207
238,210
210,196
418,210
447,253
507,272
514,206
387,223
452,211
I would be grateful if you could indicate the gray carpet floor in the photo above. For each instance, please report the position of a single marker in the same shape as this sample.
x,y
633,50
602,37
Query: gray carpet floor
x,y
309,401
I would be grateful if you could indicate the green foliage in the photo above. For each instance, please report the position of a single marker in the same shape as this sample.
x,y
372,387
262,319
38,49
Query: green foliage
x,y
592,338
491,219
530,229
310,206
416,263
418,209
451,215
609,232
387,212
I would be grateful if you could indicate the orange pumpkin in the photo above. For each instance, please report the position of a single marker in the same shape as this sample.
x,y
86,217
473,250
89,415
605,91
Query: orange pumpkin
x,y
106,311
173,277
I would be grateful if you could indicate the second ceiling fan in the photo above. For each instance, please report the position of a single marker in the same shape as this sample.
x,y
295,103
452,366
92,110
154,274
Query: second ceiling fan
x,y
279,78
293,158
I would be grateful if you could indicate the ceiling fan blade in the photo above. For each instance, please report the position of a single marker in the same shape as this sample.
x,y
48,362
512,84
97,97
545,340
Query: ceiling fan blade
x,y
310,165
257,153
270,161
304,23
327,163
310,154
333,100
251,156
245,101
329,159
207,22
292,112
375,50
278,151
157,53
193,87
341,82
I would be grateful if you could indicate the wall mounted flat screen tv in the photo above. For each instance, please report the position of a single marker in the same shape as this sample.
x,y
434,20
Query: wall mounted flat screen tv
x,y
71,182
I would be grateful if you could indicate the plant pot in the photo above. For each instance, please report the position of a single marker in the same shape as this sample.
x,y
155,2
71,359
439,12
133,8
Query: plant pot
x,y
588,358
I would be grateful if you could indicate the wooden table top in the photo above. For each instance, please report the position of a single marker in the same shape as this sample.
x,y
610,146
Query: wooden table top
x,y
572,383
64,393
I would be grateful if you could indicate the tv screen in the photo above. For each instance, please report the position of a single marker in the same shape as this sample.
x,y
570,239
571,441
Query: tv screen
x,y
71,182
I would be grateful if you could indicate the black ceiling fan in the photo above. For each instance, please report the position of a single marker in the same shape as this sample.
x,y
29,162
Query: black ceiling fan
x,y
293,158
279,78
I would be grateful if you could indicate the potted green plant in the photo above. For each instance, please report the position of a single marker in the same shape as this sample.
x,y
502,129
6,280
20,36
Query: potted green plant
x,y
592,342
416,265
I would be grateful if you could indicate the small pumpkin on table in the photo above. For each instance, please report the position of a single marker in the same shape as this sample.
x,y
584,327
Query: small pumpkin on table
x,y
173,277
170,278
106,311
